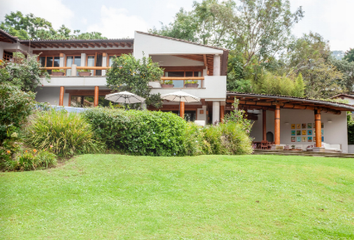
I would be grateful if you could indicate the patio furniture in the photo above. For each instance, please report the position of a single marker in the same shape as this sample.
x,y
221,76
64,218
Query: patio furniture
x,y
265,144
124,97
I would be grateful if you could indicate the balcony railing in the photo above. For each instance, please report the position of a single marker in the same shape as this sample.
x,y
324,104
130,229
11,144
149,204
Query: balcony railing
x,y
166,82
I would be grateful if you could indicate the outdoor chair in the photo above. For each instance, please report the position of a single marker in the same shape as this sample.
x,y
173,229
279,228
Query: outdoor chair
x,y
264,144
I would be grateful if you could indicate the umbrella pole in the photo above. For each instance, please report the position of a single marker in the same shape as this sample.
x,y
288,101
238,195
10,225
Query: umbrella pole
x,y
181,109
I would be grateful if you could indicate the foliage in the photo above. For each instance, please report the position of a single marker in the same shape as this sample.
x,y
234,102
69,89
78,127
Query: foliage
x,y
347,69
84,70
67,133
253,27
138,132
24,72
60,70
168,82
349,55
16,106
130,74
271,84
164,134
27,27
238,116
310,56
194,142
191,82
237,79
350,129
30,160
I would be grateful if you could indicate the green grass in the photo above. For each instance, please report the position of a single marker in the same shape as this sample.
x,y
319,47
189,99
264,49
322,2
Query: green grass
x,y
205,197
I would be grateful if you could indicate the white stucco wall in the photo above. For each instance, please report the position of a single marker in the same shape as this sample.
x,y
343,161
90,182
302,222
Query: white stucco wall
x,y
334,132
51,95
152,45
75,82
350,148
214,88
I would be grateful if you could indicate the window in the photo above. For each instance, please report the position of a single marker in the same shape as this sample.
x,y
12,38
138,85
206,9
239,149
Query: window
x,y
50,61
179,83
70,60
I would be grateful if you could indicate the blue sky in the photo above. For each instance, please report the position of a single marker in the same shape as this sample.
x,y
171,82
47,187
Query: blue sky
x,y
117,18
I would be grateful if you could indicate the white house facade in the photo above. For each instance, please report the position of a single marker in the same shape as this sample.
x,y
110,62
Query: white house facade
x,y
181,61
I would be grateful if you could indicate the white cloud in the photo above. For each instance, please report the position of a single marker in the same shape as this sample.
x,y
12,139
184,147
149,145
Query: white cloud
x,y
53,10
117,23
84,20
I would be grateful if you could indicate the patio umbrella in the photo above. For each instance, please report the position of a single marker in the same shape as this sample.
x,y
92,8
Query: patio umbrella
x,y
124,97
180,97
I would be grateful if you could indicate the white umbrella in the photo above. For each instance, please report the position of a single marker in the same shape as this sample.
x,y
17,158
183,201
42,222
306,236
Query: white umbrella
x,y
124,97
181,97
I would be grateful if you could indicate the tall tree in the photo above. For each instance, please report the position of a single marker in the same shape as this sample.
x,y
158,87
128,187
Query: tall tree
x,y
28,26
349,55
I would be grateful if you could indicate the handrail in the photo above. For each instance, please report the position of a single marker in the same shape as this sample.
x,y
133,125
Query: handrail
x,y
182,78
93,68
54,68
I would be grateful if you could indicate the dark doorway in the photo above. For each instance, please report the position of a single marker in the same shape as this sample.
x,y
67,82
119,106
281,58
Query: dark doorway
x,y
270,137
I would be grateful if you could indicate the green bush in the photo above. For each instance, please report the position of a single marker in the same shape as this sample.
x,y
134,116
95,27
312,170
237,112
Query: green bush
x,y
30,160
228,138
165,134
66,133
138,132
16,106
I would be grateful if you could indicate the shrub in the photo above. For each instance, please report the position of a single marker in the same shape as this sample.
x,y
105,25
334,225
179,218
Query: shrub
x,y
194,142
30,160
139,132
67,133
228,138
16,106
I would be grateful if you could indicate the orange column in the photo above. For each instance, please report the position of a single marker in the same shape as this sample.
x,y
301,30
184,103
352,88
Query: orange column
x,y
181,109
277,125
222,112
264,121
61,96
318,128
95,100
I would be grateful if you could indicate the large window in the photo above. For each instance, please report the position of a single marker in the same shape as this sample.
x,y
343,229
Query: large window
x,y
70,60
179,83
50,61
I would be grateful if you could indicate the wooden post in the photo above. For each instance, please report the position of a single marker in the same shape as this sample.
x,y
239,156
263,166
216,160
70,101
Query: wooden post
x,y
222,111
95,101
318,128
181,109
61,96
277,125
264,121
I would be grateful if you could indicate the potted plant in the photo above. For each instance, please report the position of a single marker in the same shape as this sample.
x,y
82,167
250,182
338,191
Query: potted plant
x,y
84,72
58,72
293,146
167,84
191,84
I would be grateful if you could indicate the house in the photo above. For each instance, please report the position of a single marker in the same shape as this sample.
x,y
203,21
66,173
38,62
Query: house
x,y
181,61
280,119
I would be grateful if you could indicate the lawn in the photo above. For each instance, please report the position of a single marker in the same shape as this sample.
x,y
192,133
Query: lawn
x,y
205,197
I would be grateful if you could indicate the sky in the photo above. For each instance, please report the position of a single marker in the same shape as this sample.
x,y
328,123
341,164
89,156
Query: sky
x,y
332,19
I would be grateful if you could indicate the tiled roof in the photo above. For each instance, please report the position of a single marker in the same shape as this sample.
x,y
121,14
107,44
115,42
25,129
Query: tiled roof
x,y
335,105
4,36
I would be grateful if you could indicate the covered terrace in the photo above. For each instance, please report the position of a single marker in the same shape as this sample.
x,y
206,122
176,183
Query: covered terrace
x,y
300,122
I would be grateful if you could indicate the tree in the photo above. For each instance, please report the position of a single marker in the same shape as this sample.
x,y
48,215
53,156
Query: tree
x,y
310,56
130,74
30,27
347,69
349,55
256,28
23,72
